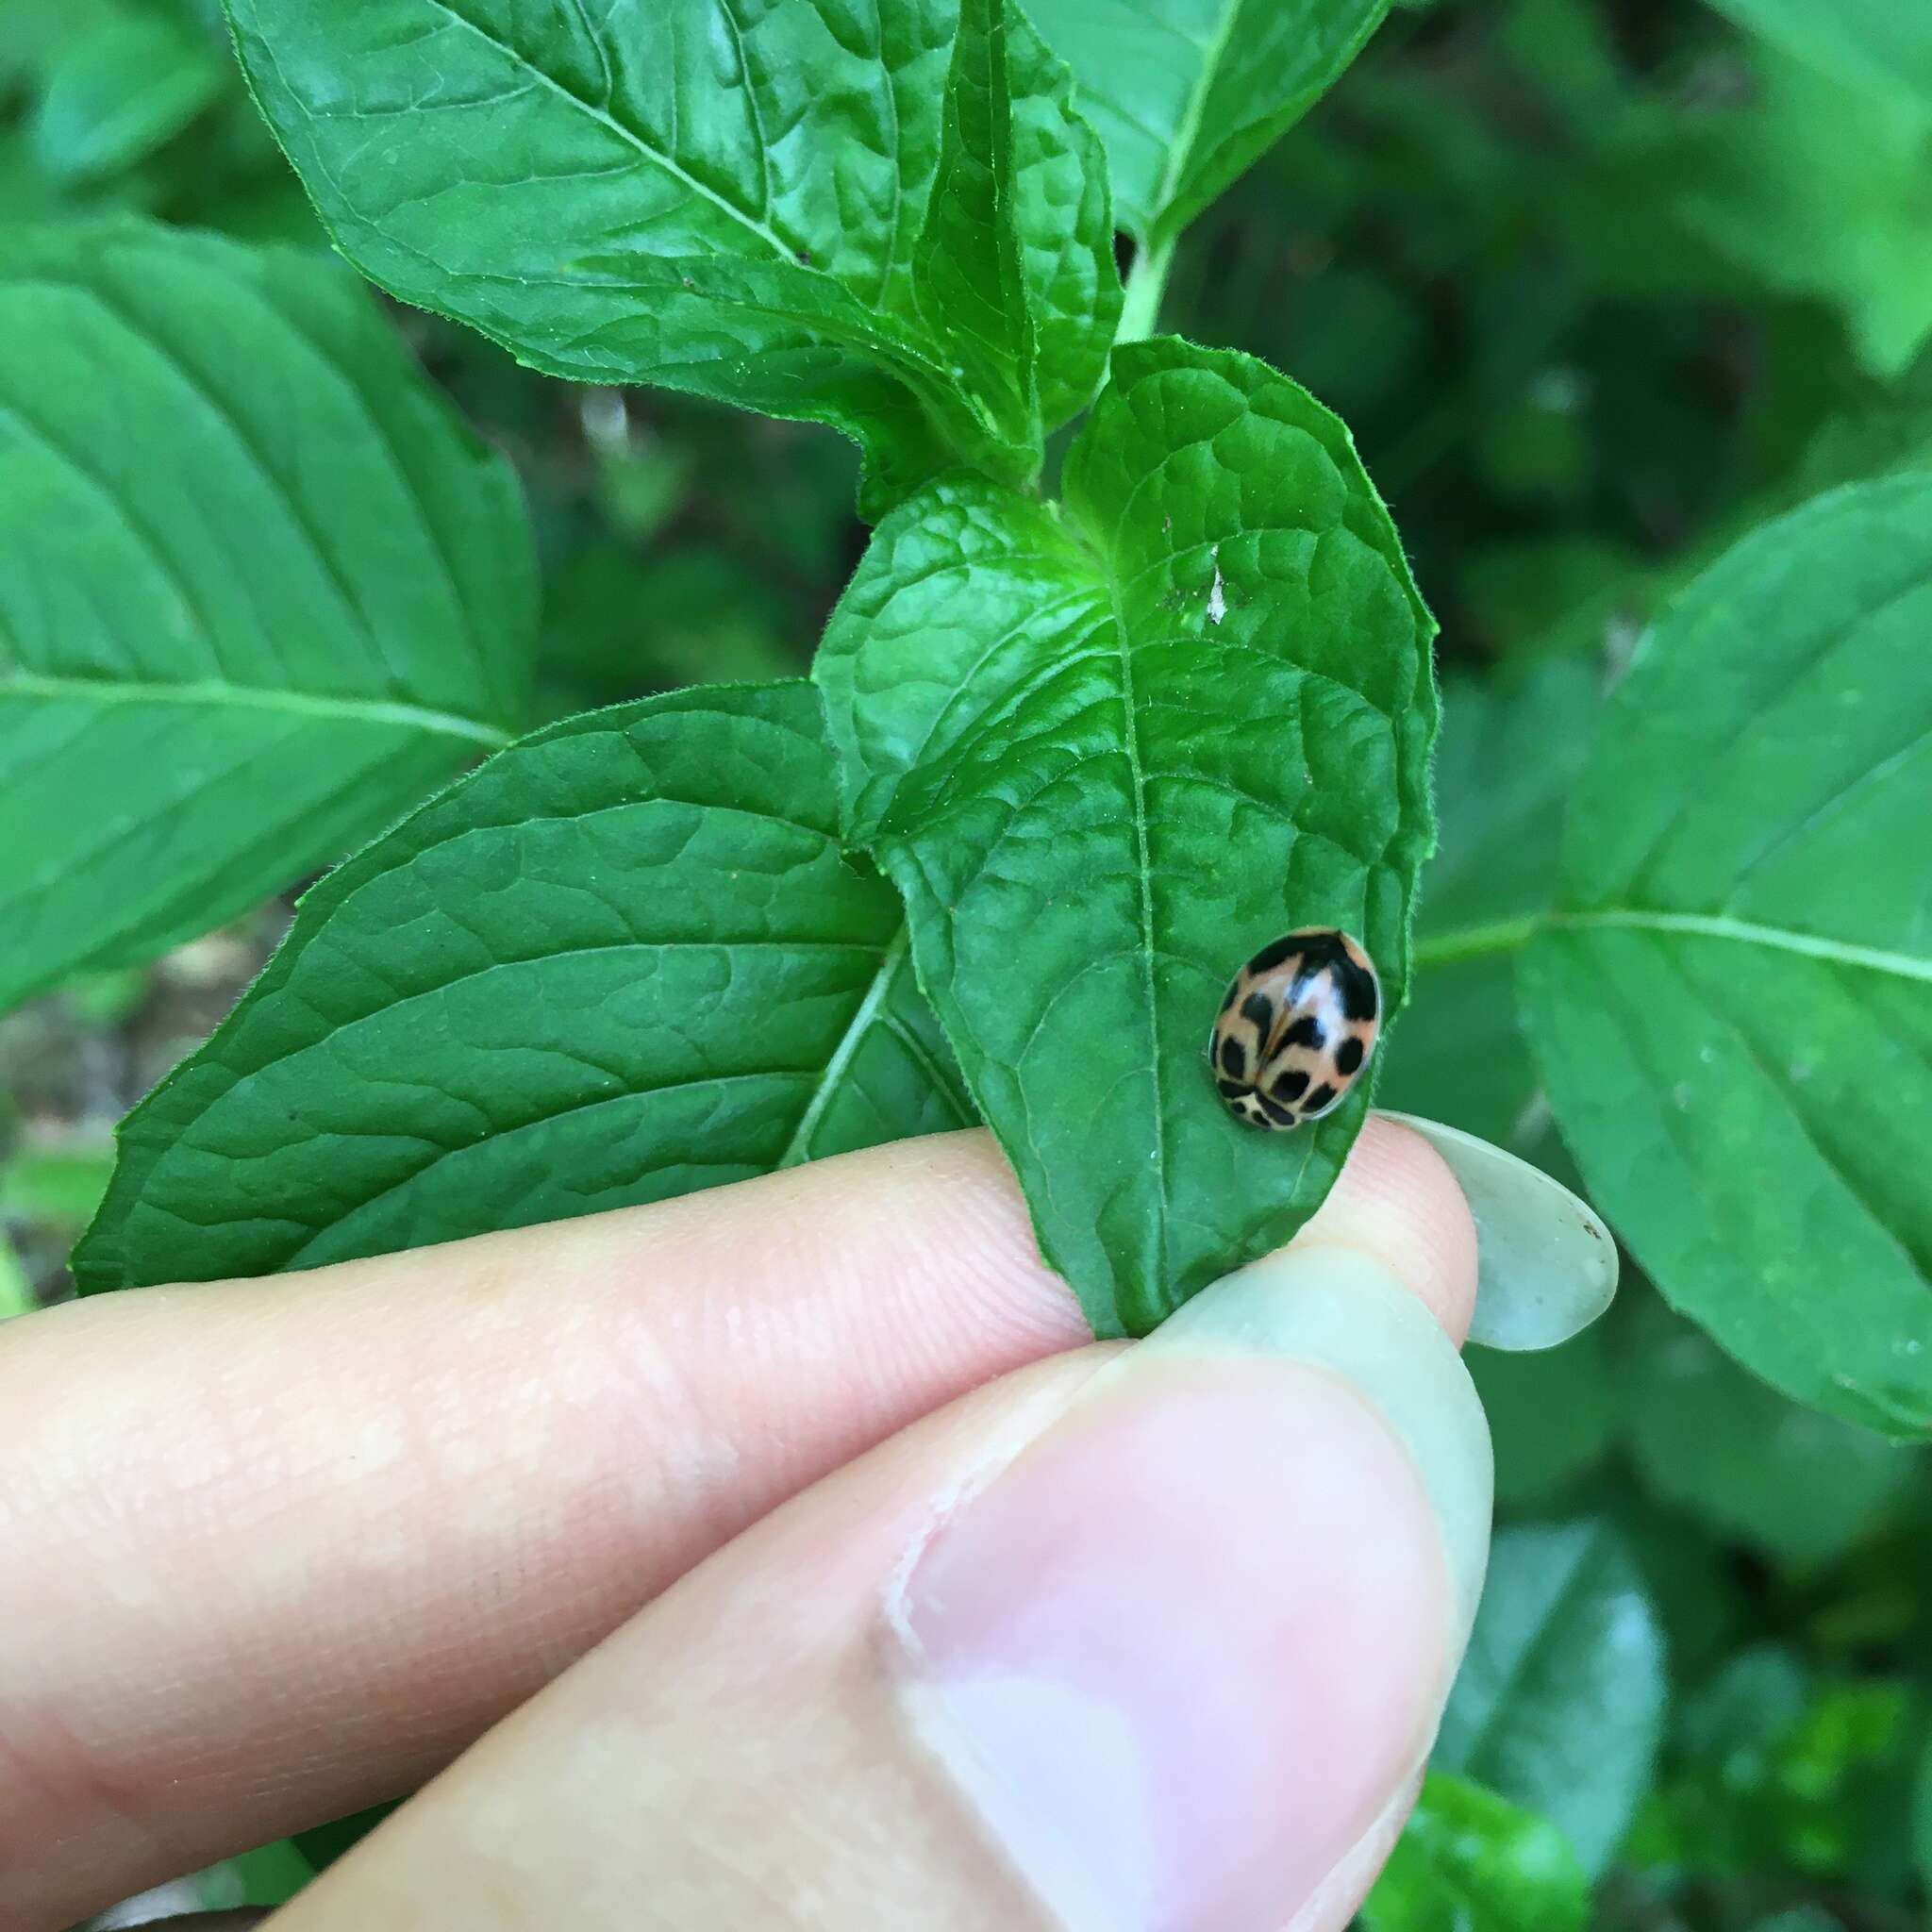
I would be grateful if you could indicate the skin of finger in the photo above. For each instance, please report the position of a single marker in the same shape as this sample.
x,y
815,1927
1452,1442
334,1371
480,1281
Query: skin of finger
x,y
736,1754
283,1549
728,1758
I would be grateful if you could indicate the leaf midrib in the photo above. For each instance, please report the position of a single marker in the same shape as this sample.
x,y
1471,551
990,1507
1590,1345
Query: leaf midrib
x,y
1512,935
1569,1589
143,330
218,695
1188,128
1136,778
1855,1186
833,1077
628,134
1809,1314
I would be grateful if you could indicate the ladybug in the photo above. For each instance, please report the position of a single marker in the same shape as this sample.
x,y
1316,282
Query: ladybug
x,y
1297,1028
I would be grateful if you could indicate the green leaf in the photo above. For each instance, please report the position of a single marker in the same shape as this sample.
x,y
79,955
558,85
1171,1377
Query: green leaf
x,y
1701,1598
1879,45
968,280
55,1183
1841,1771
1553,1412
269,1875
1561,1699
1888,430
40,32
1922,1817
1109,754
1717,1443
1470,1861
801,209
16,1290
114,95
1820,190
1512,748
322,1845
1733,1015
1776,1770
623,959
1064,209
258,588
1735,1723
1188,94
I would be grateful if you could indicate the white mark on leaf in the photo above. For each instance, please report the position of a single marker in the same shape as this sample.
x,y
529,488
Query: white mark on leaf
x,y
1217,591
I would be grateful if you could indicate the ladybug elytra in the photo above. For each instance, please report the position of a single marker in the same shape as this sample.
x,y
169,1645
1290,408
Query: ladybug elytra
x,y
1297,1028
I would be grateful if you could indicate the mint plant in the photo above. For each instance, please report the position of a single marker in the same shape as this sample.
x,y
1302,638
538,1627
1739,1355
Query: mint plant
x,y
1133,674
1217,553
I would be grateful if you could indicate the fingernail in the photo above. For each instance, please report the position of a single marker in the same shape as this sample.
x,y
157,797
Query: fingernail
x,y
1546,1266
1180,1652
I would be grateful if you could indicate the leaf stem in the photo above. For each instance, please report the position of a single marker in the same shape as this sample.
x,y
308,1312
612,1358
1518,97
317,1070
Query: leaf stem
x,y
1476,941
1147,285
799,1147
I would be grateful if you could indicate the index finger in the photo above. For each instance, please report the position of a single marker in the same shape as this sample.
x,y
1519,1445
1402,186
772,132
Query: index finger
x,y
283,1549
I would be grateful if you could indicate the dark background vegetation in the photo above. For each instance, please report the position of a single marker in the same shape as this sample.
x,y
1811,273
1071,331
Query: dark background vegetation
x,y
1597,283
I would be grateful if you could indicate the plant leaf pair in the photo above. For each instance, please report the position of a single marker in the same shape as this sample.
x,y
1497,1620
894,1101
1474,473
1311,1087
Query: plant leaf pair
x,y
888,220
897,226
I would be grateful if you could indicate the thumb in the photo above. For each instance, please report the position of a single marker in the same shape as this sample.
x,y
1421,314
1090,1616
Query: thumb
x,y
1187,1653
1142,1640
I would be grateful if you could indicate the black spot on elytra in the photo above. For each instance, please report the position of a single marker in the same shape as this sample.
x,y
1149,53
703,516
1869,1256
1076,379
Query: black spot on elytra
x,y
1306,1032
1289,1086
1269,956
1357,988
1234,1059
1257,1009
1281,1116
1348,1056
1322,1096
1232,1090
1320,950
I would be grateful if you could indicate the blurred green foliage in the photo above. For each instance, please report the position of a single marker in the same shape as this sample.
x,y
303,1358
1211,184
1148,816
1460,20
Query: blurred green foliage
x,y
1597,284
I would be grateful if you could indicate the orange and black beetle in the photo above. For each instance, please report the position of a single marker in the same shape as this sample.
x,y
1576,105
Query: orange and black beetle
x,y
1297,1028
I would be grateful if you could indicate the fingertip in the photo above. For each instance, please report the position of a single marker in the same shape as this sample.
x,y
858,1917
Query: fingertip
x,y
1397,1200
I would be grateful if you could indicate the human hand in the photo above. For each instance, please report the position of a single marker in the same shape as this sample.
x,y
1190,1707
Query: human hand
x,y
936,1616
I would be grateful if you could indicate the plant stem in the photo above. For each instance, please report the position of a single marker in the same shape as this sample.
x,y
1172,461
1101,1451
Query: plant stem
x,y
1476,941
1146,284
